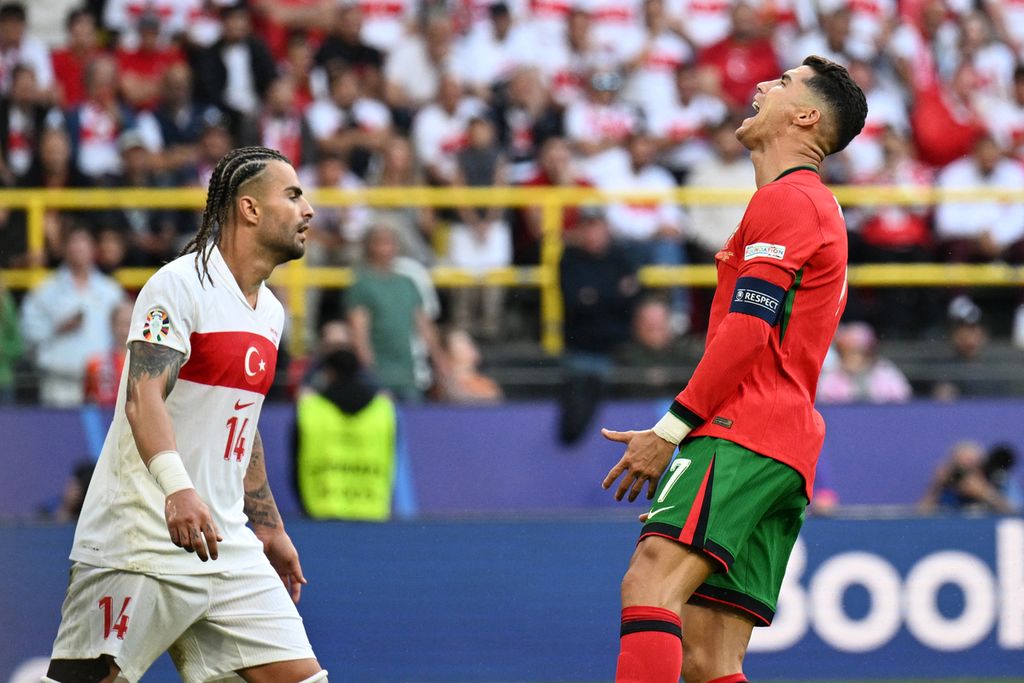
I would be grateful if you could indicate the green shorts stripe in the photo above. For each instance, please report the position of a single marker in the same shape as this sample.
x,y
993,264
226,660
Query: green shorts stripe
x,y
740,509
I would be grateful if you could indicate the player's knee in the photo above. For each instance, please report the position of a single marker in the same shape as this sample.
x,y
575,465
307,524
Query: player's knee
x,y
96,670
318,677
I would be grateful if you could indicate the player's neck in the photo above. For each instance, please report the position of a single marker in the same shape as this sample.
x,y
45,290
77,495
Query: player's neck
x,y
770,163
249,267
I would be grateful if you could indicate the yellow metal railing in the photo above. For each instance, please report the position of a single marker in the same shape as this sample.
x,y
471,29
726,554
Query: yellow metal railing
x,y
296,276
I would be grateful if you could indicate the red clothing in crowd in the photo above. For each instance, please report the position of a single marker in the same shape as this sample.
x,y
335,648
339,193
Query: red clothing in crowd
x,y
741,66
756,383
103,376
943,131
69,72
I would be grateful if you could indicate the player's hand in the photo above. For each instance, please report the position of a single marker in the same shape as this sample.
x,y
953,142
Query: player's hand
x,y
284,558
191,525
647,455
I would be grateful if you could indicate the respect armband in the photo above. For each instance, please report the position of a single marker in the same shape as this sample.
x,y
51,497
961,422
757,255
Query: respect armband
x,y
169,472
759,298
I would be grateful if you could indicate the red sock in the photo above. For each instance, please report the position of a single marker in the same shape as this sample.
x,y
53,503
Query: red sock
x,y
651,646
732,678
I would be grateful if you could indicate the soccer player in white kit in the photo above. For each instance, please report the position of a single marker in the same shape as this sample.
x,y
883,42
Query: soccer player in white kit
x,y
163,559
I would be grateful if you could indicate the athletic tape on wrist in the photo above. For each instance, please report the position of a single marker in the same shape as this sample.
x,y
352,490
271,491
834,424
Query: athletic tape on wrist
x,y
671,428
169,472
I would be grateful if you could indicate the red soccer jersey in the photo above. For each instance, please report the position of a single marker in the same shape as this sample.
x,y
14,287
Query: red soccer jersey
x,y
755,384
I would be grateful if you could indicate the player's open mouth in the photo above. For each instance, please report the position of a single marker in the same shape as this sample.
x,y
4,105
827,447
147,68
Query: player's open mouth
x,y
756,106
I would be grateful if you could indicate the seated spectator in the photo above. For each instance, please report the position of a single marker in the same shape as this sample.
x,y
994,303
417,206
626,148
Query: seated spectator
x,y
1004,118
572,58
23,118
122,17
103,369
385,311
861,376
993,61
959,484
69,61
17,47
215,140
700,23
142,67
481,240
831,38
486,59
95,125
66,319
298,64
181,122
968,356
413,70
864,157
344,45
414,225
10,344
998,469
555,169
280,125
348,123
388,24
276,21
346,433
598,125
525,117
464,383
69,506
655,362
440,131
742,59
653,59
982,231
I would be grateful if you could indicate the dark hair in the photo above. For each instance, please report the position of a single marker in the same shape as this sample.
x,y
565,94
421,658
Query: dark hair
x,y
235,168
74,15
842,95
13,10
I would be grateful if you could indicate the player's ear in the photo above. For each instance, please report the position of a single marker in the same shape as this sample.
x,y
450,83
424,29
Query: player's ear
x,y
807,116
249,208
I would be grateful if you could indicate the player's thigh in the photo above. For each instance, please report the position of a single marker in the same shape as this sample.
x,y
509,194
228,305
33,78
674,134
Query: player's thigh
x,y
291,671
129,617
714,642
663,573
253,619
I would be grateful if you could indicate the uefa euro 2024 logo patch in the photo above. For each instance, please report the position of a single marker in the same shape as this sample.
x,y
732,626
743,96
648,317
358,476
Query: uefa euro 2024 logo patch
x,y
158,325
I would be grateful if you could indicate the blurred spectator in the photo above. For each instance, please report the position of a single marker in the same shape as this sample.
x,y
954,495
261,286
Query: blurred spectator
x,y
66,319
482,240
968,355
280,124
611,20
896,234
729,167
656,361
599,286
680,129
103,369
960,484
143,66
465,384
440,131
385,311
346,432
181,122
347,122
344,45
69,506
861,375
998,469
653,60
598,125
413,70
548,22
864,156
1008,22
871,23
95,125
986,230
70,61
235,72
215,141
298,64
414,225
16,47
921,48
1004,118
23,117
10,344
525,118
276,21
943,118
742,59
572,59
555,169
486,59
701,23
123,17
994,62
831,39
388,23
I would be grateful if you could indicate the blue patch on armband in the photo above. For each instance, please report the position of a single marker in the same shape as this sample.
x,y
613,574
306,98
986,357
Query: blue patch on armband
x,y
759,298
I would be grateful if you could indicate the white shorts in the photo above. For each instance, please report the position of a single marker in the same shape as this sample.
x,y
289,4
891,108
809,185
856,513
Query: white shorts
x,y
210,624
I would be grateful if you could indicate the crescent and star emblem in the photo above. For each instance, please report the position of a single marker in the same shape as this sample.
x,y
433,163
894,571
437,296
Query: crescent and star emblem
x,y
249,372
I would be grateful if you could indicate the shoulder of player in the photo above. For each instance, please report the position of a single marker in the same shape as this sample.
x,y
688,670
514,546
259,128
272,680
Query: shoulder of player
x,y
177,275
796,199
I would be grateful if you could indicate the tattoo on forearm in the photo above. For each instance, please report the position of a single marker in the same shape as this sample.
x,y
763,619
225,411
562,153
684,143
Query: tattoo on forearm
x,y
153,360
259,505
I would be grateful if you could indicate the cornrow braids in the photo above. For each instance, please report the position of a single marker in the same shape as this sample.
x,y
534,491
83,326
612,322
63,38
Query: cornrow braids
x,y
235,168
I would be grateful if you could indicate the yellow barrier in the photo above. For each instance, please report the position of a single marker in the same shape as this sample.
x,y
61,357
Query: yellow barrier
x,y
296,277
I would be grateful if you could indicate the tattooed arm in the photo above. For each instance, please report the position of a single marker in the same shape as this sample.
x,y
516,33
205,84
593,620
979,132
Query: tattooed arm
x,y
152,372
262,512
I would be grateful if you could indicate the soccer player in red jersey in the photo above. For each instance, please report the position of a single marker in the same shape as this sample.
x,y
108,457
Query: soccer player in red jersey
x,y
715,543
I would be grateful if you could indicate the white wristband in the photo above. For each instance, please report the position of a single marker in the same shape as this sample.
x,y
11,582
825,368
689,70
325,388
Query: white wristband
x,y
169,472
671,428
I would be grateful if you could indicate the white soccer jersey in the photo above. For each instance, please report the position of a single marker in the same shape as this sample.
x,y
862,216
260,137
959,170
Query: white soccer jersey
x,y
231,354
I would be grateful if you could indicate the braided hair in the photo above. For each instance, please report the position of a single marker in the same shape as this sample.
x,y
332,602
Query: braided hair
x,y
235,168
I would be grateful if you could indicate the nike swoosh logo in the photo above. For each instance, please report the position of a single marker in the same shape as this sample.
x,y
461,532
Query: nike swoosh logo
x,y
654,512
239,405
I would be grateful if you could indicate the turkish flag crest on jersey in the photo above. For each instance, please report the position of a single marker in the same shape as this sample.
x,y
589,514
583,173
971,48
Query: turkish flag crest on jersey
x,y
236,360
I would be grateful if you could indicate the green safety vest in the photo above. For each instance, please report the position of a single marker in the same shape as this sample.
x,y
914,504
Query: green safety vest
x,y
346,463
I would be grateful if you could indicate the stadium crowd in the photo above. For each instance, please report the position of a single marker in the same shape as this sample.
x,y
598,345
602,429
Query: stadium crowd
x,y
618,94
